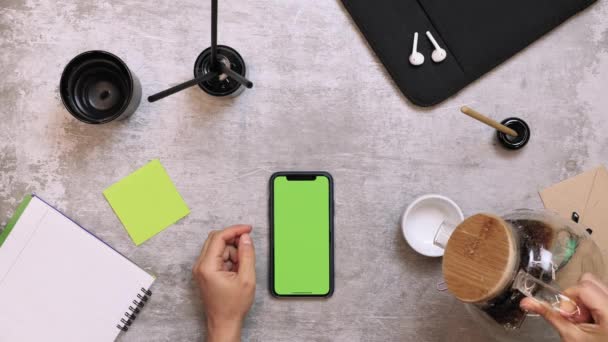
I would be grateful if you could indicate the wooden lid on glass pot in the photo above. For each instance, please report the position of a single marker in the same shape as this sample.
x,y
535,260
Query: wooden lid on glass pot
x,y
480,258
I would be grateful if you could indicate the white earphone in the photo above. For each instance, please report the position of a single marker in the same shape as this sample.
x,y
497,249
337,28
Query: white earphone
x,y
439,54
416,58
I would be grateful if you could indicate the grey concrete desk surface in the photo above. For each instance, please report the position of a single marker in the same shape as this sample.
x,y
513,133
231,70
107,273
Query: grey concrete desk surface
x,y
321,101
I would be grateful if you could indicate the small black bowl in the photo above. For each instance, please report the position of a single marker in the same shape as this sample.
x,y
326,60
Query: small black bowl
x,y
523,134
97,87
221,86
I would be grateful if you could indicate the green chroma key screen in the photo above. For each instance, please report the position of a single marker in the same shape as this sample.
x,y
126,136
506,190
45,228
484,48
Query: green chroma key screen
x,y
301,242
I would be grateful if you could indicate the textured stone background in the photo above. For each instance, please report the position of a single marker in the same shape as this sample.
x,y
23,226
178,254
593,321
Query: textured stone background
x,y
321,101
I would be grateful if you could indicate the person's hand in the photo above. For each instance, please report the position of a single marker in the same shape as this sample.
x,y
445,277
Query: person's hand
x,y
225,275
591,325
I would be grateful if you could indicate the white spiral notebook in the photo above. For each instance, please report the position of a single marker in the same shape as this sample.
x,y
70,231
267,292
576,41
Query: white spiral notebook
x,y
58,282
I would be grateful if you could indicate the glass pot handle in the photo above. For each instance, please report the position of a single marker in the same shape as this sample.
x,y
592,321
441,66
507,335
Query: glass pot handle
x,y
443,233
539,291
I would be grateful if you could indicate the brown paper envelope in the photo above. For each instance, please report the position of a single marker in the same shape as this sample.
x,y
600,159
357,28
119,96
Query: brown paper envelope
x,y
586,194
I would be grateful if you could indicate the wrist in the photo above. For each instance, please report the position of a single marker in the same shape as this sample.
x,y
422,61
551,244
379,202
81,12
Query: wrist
x,y
219,330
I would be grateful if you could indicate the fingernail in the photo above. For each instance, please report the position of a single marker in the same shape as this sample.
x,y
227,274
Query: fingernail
x,y
527,306
246,239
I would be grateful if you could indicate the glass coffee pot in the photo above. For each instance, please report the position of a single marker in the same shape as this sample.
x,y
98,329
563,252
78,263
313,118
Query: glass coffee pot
x,y
493,262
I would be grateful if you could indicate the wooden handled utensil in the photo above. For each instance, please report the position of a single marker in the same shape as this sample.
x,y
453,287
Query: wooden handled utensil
x,y
486,120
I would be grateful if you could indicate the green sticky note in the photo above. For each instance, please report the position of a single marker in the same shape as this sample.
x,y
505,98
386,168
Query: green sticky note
x,y
146,202
13,221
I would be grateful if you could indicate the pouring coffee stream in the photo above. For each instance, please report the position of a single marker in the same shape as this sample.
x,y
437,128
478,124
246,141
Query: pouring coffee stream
x,y
493,262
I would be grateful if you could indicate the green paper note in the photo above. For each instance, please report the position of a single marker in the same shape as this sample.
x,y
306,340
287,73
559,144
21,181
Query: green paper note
x,y
146,202
13,221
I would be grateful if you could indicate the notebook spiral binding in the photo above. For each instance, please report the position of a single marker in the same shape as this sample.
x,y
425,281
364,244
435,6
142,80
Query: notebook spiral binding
x,y
138,304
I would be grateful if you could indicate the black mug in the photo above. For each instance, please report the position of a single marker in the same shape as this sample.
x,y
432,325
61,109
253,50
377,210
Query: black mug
x,y
97,87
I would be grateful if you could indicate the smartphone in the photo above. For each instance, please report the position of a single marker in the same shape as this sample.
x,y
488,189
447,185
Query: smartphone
x,y
301,234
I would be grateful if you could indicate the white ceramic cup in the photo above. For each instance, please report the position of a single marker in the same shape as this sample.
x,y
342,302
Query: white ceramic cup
x,y
422,219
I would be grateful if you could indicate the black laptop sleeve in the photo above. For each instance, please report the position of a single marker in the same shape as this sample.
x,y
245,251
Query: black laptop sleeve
x,y
477,34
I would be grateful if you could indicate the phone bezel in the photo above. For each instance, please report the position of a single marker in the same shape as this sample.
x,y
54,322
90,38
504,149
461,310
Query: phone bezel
x,y
271,231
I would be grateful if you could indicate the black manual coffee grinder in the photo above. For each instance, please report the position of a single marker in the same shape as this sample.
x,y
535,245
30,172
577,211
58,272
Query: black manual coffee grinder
x,y
219,70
